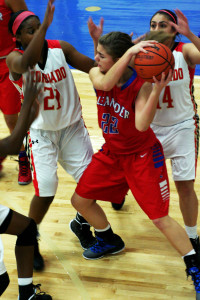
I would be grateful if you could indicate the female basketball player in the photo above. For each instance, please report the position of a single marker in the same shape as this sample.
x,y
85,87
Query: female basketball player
x,y
10,102
176,121
132,156
14,223
58,133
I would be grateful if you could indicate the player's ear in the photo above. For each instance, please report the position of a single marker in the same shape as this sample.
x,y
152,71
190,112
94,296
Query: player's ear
x,y
18,38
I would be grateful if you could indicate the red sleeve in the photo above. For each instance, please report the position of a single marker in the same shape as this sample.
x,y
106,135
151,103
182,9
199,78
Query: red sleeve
x,y
53,44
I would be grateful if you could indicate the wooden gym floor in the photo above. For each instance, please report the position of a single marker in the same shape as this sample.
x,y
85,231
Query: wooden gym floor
x,y
149,268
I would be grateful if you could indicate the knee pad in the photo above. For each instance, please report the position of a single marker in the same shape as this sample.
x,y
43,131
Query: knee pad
x,y
29,236
4,282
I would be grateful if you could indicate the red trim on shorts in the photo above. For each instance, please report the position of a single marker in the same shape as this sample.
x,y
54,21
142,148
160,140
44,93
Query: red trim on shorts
x,y
35,182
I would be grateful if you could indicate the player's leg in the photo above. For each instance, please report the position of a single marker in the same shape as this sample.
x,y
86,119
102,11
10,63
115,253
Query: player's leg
x,y
184,172
177,236
10,111
106,241
44,154
4,277
93,185
189,207
155,203
180,144
118,206
75,155
25,229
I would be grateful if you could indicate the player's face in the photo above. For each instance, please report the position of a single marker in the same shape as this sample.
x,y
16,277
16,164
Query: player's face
x,y
104,60
30,27
160,22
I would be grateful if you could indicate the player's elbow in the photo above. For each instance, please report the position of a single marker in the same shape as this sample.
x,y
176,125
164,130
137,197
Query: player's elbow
x,y
107,88
141,125
142,128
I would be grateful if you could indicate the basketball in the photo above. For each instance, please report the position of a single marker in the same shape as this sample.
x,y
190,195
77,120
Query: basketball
x,y
158,59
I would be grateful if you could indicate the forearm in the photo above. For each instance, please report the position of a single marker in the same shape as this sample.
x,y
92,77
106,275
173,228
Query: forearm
x,y
110,79
95,42
194,39
146,116
12,144
32,54
16,5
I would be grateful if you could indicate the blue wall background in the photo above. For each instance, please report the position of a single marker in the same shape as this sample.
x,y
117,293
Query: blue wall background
x,y
70,19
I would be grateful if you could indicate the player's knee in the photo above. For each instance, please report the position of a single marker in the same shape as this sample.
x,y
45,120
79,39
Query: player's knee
x,y
81,204
78,202
28,236
161,223
4,282
74,200
158,223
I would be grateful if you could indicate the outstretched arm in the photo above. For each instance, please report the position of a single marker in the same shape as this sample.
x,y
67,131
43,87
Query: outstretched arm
x,y
76,59
29,111
19,64
191,51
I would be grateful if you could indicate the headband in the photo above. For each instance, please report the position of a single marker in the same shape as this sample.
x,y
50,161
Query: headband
x,y
19,19
168,13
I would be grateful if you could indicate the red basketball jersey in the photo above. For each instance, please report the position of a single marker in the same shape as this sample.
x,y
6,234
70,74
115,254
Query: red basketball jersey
x,y
6,42
116,117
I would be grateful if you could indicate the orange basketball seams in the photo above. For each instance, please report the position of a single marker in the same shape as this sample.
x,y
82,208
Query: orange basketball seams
x,y
158,59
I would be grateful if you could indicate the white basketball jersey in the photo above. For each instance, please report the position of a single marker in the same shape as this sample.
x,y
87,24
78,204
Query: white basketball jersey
x,y
176,102
59,100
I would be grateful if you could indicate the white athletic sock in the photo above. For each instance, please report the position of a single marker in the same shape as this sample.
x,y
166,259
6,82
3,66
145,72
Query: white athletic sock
x,y
102,230
25,281
190,253
191,231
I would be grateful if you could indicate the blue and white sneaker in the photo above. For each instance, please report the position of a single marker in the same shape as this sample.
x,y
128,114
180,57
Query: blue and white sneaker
x,y
194,272
102,247
83,233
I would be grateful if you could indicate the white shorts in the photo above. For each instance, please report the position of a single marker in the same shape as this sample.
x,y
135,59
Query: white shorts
x,y
4,211
71,147
2,265
180,145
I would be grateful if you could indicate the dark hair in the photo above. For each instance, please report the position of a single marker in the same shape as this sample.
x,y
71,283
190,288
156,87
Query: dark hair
x,y
12,20
169,14
116,43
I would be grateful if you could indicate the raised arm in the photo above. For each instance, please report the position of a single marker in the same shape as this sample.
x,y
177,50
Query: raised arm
x,y
16,5
19,64
29,111
191,51
95,31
